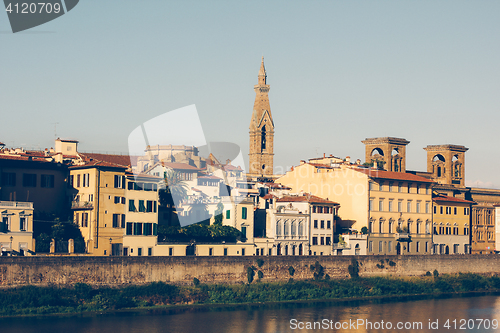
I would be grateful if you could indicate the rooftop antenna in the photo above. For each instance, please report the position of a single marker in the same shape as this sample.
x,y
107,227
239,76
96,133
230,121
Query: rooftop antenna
x,y
55,130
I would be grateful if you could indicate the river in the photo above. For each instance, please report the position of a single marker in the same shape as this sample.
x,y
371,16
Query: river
x,y
473,314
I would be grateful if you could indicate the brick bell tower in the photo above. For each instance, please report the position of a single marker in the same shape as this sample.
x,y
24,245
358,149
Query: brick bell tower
x,y
261,154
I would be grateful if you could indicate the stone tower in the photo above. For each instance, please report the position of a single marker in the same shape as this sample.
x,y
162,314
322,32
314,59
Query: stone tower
x,y
446,163
261,153
389,153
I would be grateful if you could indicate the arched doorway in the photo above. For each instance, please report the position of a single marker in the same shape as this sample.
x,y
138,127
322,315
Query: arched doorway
x,y
398,248
278,250
300,249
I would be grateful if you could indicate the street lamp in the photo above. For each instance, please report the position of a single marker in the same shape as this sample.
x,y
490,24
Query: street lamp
x,y
110,246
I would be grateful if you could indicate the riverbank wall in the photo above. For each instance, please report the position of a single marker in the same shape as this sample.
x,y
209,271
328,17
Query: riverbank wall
x,y
119,271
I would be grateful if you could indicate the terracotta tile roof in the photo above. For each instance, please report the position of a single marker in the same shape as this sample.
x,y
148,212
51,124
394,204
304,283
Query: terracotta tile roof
x,y
179,166
209,177
393,175
305,198
229,167
143,175
95,163
442,197
24,158
124,160
276,186
319,165
269,196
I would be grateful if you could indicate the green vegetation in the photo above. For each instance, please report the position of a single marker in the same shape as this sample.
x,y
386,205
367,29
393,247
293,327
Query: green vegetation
x,y
200,232
81,297
61,232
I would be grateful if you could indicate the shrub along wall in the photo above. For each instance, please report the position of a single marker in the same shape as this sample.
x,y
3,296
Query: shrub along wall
x,y
182,270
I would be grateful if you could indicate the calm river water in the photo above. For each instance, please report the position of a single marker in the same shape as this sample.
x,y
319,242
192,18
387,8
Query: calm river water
x,y
473,314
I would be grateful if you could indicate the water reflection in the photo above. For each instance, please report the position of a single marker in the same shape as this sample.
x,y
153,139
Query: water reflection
x,y
276,318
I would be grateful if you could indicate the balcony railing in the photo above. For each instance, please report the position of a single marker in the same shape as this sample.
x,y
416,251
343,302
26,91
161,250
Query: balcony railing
x,y
403,236
16,204
82,205
343,246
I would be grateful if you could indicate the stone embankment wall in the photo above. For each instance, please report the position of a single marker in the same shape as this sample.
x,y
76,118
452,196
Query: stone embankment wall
x,y
15,271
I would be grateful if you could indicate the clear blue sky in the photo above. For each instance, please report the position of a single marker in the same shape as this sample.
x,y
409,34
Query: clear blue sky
x,y
340,71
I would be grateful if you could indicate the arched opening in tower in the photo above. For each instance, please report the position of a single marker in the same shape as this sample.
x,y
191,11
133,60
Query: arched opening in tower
x,y
263,138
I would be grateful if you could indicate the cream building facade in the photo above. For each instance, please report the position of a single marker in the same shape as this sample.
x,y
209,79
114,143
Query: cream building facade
x,y
16,228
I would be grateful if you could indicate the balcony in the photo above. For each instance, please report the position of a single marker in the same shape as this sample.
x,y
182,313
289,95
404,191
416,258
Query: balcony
x,y
17,204
341,246
403,237
82,205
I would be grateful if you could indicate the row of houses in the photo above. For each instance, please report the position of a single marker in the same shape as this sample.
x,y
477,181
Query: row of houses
x,y
323,206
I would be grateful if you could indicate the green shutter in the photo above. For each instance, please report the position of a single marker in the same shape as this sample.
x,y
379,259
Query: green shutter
x,y
228,214
155,229
244,213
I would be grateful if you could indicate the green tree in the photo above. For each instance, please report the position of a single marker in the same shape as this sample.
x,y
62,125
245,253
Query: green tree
x,y
218,214
175,187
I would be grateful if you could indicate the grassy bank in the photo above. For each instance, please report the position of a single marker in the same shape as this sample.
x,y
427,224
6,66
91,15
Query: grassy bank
x,y
32,300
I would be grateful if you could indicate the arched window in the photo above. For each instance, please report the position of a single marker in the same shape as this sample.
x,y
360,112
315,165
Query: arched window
x,y
285,228
301,228
294,226
278,228
263,138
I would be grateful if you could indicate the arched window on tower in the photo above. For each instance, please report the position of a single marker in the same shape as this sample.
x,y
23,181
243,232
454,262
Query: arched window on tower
x,y
263,138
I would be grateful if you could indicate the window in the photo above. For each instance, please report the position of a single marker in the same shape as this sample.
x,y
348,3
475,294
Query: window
x,y
148,229
131,206
244,213
5,223
370,204
418,207
225,251
426,246
455,248
419,228
154,206
139,251
150,251
381,186
130,185
381,226
119,181
142,208
285,228
427,191
242,251
435,210
418,189
8,179
117,200
328,241
301,228
314,209
455,211
322,224
116,220
400,206
390,186
85,219
427,228
390,225
380,246
466,231
76,219
123,200
381,205
315,240
294,228
390,205
149,206
418,247
47,181
86,180
455,230
370,186
441,210
320,209
211,251
278,228
427,206
137,228
78,180
389,246
316,224
400,187
29,180
408,206
466,211
322,239
128,230
328,224
228,214
409,187
370,246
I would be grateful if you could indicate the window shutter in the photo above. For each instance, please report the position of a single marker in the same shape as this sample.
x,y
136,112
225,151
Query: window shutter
x,y
123,221
123,182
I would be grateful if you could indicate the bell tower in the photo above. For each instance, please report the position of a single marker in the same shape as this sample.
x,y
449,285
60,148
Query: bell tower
x,y
261,153
446,163
388,153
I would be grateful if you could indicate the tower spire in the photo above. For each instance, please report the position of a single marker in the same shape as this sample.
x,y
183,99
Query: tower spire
x,y
261,153
262,73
